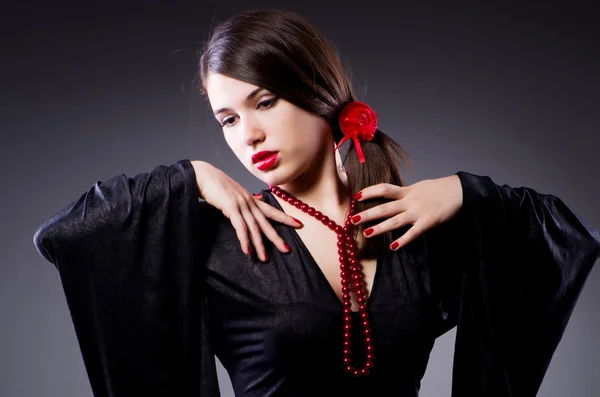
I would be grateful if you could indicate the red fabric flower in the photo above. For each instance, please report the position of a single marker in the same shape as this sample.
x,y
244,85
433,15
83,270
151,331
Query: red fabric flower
x,y
357,121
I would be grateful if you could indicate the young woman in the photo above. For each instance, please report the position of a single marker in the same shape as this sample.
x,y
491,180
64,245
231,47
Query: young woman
x,y
337,278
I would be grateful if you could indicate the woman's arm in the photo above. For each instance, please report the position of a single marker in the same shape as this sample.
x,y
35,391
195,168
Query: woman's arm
x,y
129,253
509,268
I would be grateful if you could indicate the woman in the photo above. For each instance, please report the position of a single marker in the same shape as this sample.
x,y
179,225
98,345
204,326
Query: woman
x,y
296,290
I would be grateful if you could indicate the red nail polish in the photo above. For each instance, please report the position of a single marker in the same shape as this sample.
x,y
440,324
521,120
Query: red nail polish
x,y
355,218
298,222
358,196
287,247
369,231
395,245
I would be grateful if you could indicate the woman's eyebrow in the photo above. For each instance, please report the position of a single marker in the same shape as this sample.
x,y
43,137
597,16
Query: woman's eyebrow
x,y
248,98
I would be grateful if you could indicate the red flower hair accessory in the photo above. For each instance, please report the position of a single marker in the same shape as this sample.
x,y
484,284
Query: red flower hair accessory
x,y
357,121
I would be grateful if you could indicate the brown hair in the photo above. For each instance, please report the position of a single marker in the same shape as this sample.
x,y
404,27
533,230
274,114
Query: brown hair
x,y
282,52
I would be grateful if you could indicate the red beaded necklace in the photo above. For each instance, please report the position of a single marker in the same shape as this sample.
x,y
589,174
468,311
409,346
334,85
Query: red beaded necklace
x,y
351,275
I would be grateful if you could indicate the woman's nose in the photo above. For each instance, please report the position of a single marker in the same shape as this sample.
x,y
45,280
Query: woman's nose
x,y
252,133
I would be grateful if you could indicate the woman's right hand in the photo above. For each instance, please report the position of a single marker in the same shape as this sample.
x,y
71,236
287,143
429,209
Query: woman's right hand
x,y
247,213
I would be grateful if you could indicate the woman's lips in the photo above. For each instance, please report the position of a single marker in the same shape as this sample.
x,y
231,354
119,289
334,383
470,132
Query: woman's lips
x,y
267,162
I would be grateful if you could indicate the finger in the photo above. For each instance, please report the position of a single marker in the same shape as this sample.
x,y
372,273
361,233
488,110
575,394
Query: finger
x,y
241,230
406,238
386,190
393,223
253,229
277,215
384,210
268,230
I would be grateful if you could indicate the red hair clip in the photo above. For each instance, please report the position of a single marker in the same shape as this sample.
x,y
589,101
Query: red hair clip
x,y
357,121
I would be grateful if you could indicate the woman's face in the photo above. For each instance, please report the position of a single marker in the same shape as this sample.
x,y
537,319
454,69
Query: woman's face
x,y
254,120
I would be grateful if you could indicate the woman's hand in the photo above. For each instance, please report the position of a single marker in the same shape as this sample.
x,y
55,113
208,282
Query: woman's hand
x,y
424,204
247,213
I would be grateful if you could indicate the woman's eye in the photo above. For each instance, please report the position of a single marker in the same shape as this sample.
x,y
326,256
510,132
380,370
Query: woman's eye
x,y
267,103
262,105
226,121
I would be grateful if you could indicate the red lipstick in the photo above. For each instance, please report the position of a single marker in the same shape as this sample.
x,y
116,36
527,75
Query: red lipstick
x,y
265,159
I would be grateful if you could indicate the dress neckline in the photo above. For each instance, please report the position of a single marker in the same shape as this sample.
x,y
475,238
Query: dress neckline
x,y
273,201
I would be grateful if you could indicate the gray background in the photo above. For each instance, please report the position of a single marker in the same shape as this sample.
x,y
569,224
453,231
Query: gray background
x,y
93,90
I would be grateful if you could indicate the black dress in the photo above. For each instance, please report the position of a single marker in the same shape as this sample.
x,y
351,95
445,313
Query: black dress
x,y
157,285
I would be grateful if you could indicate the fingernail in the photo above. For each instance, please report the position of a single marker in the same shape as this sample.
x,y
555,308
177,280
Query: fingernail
x,y
266,257
257,195
355,218
358,196
395,245
287,247
369,231
298,222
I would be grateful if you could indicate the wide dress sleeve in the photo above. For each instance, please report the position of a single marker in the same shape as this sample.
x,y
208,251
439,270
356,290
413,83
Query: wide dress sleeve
x,y
511,266
129,253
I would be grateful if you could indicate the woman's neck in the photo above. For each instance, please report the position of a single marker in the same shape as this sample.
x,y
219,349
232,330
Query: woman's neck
x,y
323,188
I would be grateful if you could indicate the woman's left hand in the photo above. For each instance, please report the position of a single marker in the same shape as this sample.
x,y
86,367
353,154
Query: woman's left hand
x,y
424,204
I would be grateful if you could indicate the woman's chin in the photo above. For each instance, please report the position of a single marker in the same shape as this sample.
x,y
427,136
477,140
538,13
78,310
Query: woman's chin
x,y
275,176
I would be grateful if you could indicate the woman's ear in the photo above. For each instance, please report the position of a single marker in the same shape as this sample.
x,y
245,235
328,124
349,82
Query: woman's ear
x,y
342,173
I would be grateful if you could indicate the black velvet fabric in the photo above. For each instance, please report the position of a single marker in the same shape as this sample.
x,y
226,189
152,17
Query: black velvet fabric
x,y
157,285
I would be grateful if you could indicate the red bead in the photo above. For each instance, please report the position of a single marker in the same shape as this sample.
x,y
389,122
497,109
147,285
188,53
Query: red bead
x,y
350,271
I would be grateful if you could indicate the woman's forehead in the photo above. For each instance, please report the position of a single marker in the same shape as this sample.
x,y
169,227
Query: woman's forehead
x,y
225,92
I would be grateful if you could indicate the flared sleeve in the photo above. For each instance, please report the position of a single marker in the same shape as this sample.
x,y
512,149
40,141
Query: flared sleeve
x,y
129,253
510,268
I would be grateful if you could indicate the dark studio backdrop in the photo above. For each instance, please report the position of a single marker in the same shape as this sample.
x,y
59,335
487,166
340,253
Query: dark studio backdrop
x,y
94,89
